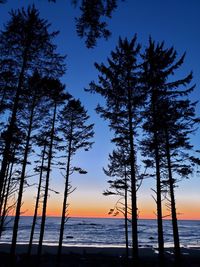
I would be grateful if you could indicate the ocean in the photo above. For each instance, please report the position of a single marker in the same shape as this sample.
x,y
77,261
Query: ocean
x,y
99,232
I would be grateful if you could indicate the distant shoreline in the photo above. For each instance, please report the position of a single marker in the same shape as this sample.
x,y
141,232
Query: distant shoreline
x,y
113,218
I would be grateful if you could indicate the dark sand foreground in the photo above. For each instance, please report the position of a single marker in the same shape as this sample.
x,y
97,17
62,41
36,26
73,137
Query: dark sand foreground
x,y
97,257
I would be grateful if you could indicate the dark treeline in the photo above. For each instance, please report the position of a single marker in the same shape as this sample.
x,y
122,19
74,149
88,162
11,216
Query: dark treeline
x,y
150,113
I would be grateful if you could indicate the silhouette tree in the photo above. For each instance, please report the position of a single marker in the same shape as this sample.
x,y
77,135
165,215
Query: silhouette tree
x,y
76,135
27,43
119,84
119,168
151,126
57,95
91,24
30,118
178,123
11,180
168,120
40,169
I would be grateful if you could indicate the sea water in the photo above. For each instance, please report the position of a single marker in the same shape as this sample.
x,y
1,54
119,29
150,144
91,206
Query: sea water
x,y
99,232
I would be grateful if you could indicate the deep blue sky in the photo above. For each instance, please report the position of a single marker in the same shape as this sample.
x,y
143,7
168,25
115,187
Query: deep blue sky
x,y
174,21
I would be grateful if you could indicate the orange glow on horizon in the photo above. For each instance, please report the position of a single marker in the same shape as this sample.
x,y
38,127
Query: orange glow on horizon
x,y
186,210
93,215
103,213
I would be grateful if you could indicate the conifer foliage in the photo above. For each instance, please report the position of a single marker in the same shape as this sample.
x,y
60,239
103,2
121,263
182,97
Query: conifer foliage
x,y
139,91
119,84
118,171
27,45
76,134
169,121
91,24
43,127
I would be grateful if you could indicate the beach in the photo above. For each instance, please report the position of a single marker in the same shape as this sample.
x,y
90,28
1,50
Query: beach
x,y
97,257
98,242
102,232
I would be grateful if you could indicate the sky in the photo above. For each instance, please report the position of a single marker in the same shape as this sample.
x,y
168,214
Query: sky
x,y
174,21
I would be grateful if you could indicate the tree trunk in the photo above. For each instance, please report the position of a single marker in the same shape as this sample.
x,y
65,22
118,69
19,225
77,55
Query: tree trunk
x,y
3,215
126,215
2,101
47,185
4,188
158,184
159,202
133,183
173,202
37,201
62,226
21,187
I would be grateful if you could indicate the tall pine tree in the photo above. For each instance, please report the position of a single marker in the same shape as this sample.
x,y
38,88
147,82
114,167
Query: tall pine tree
x,y
76,134
119,84
170,118
26,43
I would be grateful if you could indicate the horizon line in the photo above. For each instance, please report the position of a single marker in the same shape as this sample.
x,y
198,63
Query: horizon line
x,y
96,217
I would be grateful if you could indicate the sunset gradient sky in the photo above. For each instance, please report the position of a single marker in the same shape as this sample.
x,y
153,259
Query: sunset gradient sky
x,y
174,21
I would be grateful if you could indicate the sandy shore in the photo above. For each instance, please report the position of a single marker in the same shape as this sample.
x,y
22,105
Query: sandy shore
x,y
112,251
99,256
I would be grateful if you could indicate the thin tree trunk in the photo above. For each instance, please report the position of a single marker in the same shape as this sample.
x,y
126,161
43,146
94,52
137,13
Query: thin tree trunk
x,y
159,202
133,183
62,226
6,200
158,184
21,187
2,101
126,215
4,188
173,202
37,201
47,185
